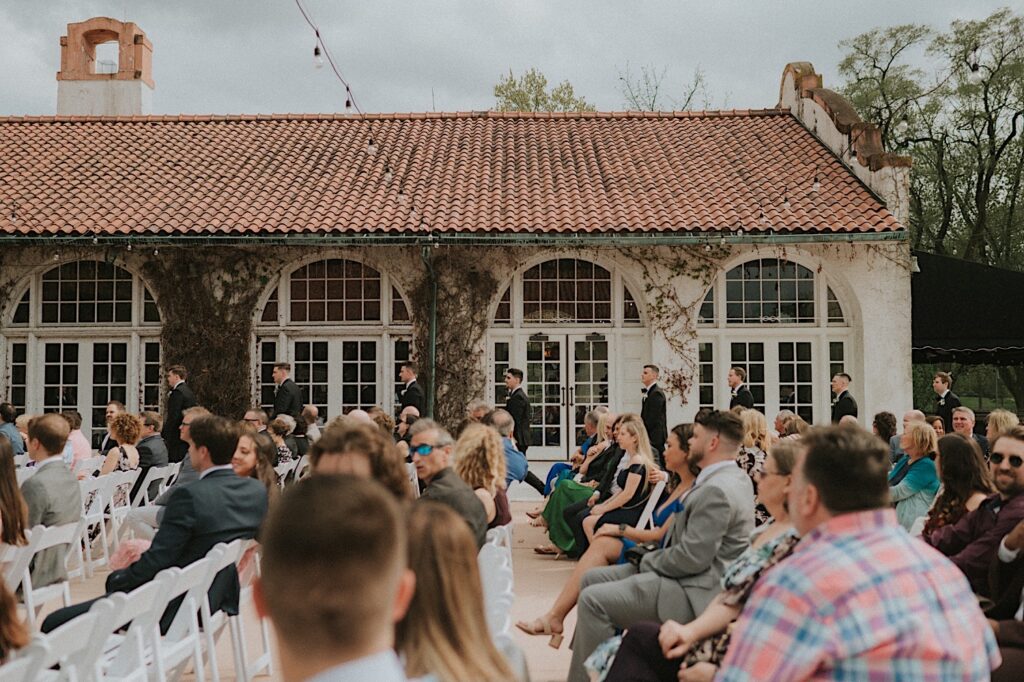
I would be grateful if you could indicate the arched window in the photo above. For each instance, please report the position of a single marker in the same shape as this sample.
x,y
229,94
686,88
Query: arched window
x,y
572,326
82,334
344,328
783,324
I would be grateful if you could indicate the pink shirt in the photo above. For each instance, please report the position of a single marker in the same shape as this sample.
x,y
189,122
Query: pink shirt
x,y
79,445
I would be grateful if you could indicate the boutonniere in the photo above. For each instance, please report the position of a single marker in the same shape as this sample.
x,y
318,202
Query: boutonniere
x,y
834,401
732,393
942,401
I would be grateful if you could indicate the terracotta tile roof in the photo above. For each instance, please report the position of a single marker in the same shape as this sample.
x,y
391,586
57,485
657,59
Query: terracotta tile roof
x,y
466,172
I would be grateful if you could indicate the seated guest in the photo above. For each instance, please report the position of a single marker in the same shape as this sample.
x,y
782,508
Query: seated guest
x,y
80,448
219,507
593,436
21,425
444,634
895,452
8,428
361,450
52,493
964,480
1009,627
252,459
431,448
936,423
611,542
126,429
752,455
625,506
570,497
480,462
114,407
971,543
796,427
278,429
515,461
698,646
143,521
912,481
311,415
963,422
13,633
152,452
998,422
858,598
679,581
884,426
301,440
333,590
13,509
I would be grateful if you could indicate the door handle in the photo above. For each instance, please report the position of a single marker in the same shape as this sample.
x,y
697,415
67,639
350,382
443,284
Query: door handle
x,y
572,395
563,395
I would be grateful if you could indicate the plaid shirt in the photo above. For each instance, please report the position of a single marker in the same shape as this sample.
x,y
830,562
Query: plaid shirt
x,y
860,599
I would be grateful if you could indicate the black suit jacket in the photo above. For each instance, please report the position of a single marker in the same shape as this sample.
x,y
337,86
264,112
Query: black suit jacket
x,y
220,507
653,415
944,408
842,406
288,399
179,400
152,453
413,395
743,397
518,405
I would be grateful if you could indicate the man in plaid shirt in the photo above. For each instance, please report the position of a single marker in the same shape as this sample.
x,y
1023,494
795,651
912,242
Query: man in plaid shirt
x,y
859,598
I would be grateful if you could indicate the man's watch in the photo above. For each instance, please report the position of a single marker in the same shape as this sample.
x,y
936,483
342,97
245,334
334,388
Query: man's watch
x,y
622,530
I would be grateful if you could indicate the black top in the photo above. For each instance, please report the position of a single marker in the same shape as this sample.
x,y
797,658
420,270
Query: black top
x,y
641,490
599,465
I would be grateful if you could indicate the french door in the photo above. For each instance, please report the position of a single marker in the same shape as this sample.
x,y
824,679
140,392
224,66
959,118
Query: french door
x,y
337,375
566,376
780,374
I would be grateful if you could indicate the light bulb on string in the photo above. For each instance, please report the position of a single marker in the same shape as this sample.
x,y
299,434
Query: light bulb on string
x,y
816,185
403,198
371,147
785,199
128,248
318,60
388,175
348,105
156,252
56,256
14,213
974,75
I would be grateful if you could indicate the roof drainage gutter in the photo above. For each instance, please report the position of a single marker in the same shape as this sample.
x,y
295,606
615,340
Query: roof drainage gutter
x,y
601,239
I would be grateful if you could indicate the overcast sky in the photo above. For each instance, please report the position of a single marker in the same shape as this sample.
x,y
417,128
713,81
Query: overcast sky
x,y
256,56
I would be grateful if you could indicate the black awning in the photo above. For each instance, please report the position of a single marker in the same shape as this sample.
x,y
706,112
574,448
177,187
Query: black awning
x,y
966,312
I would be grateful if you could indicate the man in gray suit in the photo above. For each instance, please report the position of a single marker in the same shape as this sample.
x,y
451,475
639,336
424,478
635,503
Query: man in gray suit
x,y
679,581
52,493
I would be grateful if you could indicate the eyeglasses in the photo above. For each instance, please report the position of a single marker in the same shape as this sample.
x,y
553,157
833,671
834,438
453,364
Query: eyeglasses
x,y
251,421
423,450
184,424
1015,460
762,473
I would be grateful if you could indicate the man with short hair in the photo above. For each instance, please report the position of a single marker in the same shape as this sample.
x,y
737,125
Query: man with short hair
x,y
287,395
179,399
333,590
739,394
910,416
114,408
652,412
680,580
515,461
257,419
152,452
220,506
972,542
843,403
858,598
963,423
945,400
517,404
7,428
52,493
431,448
411,394
311,415
478,409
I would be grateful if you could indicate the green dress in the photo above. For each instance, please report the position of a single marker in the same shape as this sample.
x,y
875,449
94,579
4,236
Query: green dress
x,y
566,493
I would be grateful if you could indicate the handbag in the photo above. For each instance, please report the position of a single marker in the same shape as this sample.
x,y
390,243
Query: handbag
x,y
636,553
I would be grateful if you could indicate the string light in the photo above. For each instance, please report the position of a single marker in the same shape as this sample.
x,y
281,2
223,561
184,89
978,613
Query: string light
x,y
14,213
974,67
816,185
128,248
403,198
371,147
318,60
388,175
156,252
56,256
785,198
95,241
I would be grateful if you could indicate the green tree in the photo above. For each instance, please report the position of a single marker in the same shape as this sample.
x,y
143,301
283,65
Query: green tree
x,y
530,92
954,101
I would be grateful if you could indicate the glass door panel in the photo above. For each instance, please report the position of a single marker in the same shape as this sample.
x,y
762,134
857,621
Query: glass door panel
x,y
310,373
358,375
544,372
750,356
796,386
589,385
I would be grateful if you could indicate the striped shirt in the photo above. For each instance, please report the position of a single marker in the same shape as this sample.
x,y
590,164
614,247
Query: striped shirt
x,y
859,599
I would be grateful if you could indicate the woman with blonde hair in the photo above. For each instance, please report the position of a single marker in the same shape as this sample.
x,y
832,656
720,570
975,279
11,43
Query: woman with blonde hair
x,y
445,633
753,453
913,481
999,422
626,506
480,462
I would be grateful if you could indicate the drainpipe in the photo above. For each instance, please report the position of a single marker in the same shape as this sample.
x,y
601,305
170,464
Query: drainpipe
x,y
432,342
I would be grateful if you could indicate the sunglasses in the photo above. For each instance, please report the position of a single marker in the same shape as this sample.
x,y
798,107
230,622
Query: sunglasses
x,y
423,450
1015,460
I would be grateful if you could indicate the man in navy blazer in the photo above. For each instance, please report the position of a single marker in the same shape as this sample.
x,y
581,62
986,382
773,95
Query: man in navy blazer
x,y
219,507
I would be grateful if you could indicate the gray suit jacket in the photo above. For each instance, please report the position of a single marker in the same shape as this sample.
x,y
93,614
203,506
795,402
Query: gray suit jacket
x,y
54,499
711,531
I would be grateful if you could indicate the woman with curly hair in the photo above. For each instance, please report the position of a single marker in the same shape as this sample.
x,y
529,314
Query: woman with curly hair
x,y
278,429
126,429
480,462
13,508
254,456
444,634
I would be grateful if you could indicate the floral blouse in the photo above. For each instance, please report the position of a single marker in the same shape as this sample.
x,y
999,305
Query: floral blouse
x,y
751,460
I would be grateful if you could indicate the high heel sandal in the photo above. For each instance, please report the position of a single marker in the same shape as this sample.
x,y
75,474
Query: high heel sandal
x,y
535,513
545,629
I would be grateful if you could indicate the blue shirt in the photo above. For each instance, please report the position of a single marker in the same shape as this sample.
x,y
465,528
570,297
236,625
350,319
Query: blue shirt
x,y
515,463
8,429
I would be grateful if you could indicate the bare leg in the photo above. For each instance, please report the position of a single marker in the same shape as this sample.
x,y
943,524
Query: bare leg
x,y
589,524
602,552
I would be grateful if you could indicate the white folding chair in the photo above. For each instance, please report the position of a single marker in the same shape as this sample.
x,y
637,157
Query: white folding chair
x,y
414,479
175,469
158,475
283,470
44,538
495,564
302,469
15,559
94,513
184,639
131,656
652,502
24,473
119,506
245,669
227,555
26,663
20,460
501,536
89,466
33,663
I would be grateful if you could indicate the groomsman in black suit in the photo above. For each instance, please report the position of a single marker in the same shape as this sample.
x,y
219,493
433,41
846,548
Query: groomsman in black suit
x,y
652,411
179,399
412,394
843,403
739,394
287,396
945,400
517,404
